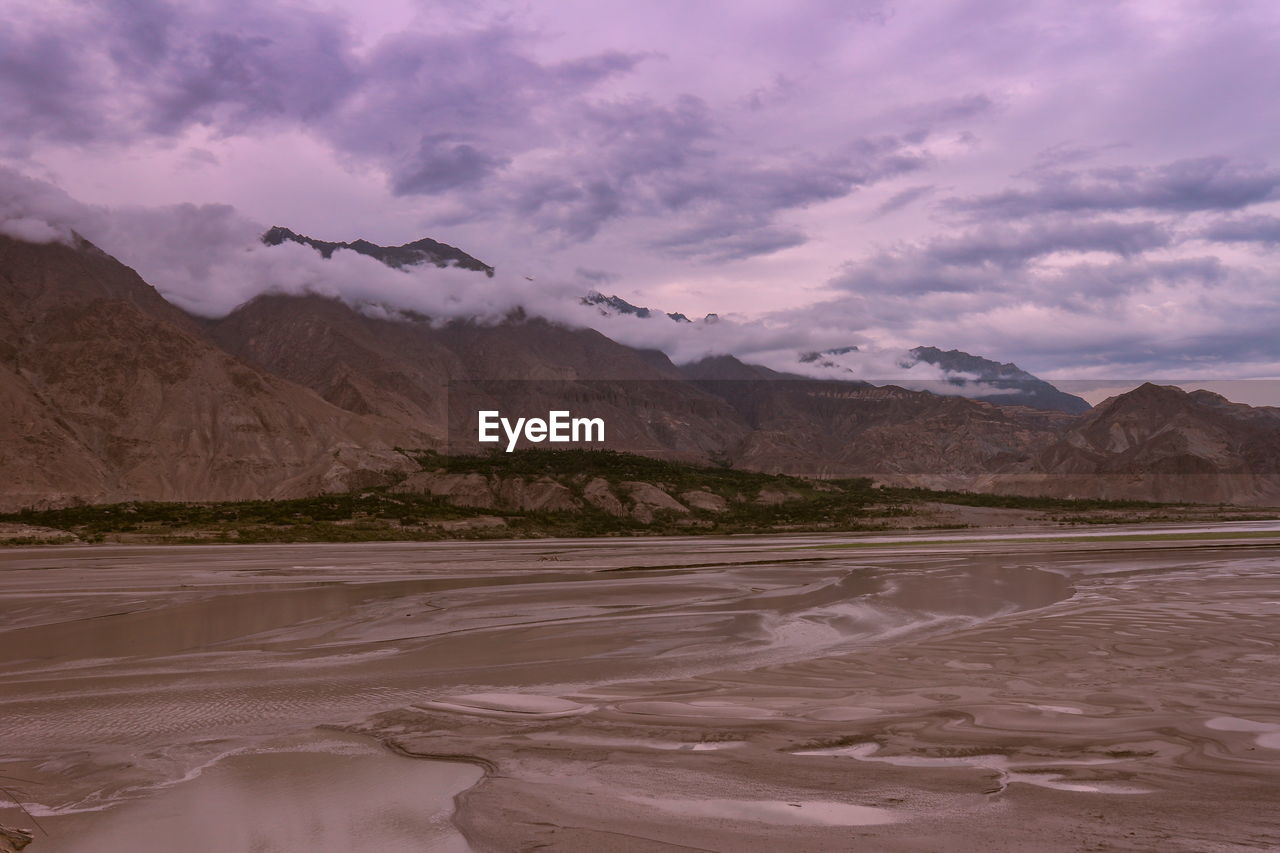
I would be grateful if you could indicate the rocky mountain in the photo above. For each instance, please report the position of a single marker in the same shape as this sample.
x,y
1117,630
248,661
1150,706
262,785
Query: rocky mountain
x,y
109,392
1160,442
1005,384
825,357
726,368
431,379
424,251
618,305
964,375
826,428
1013,385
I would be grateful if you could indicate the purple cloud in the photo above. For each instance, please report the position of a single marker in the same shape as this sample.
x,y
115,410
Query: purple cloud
x,y
1260,229
472,115
1005,246
903,198
714,157
1183,186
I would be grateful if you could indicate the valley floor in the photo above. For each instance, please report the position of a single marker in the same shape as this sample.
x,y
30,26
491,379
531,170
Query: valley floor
x,y
1107,688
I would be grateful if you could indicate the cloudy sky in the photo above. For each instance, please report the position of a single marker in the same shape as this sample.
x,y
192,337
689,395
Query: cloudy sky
x,y
1090,189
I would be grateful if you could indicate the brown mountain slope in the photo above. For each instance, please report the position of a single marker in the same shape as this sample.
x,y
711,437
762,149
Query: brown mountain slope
x,y
1163,443
421,377
362,365
841,429
433,379
42,460
116,394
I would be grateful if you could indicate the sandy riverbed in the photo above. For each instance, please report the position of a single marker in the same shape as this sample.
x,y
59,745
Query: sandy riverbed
x,y
749,693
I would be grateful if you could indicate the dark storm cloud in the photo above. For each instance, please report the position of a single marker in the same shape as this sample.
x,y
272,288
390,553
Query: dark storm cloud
x,y
443,163
646,159
1136,314
666,140
1238,335
1250,229
255,65
574,208
984,259
729,243
129,70
1183,186
468,115
1008,247
907,273
633,156
436,111
47,90
734,208
444,111
1085,286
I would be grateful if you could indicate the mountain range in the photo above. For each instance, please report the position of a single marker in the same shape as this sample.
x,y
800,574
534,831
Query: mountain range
x,y
110,393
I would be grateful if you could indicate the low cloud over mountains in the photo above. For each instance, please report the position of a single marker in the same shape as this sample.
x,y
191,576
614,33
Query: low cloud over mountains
x,y
818,174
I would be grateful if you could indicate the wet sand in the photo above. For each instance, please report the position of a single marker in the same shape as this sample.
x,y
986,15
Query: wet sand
x,y
752,693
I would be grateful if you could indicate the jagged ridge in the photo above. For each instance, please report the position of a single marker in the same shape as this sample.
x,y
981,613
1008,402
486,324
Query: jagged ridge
x,y
1024,388
424,251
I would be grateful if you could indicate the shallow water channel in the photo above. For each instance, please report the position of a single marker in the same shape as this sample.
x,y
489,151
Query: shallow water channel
x,y
322,792
165,699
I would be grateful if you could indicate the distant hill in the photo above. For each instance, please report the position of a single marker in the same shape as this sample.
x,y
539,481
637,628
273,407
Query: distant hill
x,y
1016,386
1164,443
830,428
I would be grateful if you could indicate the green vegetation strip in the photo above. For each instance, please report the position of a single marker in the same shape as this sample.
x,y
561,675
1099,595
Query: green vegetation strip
x,y
739,502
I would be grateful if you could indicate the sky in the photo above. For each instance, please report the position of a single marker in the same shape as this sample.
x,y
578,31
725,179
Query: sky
x,y
1089,189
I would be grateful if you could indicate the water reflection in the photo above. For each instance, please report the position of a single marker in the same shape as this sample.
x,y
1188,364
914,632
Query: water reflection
x,y
322,793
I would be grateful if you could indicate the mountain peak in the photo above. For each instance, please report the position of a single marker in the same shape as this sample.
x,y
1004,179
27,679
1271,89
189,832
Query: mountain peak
x,y
618,305
823,357
727,367
1146,394
423,251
